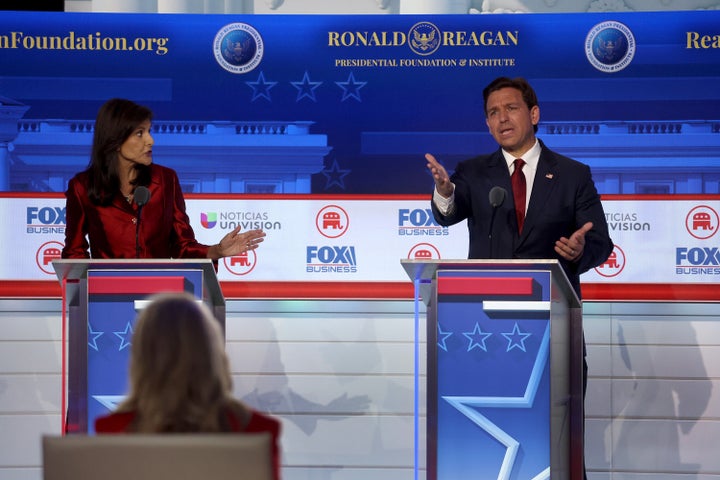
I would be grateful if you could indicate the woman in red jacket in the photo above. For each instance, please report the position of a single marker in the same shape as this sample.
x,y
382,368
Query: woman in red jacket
x,y
124,206
180,378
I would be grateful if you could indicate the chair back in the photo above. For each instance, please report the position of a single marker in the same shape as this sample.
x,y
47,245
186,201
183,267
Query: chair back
x,y
158,457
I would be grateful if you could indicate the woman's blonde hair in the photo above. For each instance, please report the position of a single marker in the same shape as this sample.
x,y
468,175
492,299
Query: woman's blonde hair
x,y
179,373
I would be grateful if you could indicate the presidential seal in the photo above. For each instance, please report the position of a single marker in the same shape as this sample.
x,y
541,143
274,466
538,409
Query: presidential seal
x,y
424,38
238,48
610,46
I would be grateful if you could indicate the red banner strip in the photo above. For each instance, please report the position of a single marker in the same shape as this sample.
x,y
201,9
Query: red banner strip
x,y
484,286
604,292
134,285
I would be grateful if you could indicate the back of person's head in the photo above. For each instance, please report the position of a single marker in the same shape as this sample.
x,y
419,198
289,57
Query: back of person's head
x,y
116,120
518,83
179,373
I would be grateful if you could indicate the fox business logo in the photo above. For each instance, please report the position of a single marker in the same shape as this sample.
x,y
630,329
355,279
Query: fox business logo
x,y
331,259
418,222
697,261
45,220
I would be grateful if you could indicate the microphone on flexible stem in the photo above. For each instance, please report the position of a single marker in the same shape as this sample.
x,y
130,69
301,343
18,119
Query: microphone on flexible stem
x,y
141,197
496,197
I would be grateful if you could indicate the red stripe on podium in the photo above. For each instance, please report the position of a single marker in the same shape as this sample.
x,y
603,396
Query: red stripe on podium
x,y
318,290
601,292
484,286
134,285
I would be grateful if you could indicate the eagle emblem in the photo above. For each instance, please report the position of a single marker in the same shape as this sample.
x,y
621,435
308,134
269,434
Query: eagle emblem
x,y
424,38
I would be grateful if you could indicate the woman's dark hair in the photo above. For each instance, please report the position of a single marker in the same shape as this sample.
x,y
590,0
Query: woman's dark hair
x,y
518,83
116,120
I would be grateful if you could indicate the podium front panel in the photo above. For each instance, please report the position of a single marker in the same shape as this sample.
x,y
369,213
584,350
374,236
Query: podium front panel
x,y
489,374
101,328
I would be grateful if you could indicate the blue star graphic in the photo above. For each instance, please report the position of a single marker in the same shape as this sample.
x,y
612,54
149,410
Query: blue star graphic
x,y
125,336
468,406
516,338
477,338
93,336
351,88
442,336
335,175
261,88
306,88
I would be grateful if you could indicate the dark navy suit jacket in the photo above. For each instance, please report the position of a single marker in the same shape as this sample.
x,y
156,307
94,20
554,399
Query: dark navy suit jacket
x,y
563,199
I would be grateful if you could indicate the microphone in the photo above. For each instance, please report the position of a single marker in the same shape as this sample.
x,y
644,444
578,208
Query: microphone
x,y
496,197
141,196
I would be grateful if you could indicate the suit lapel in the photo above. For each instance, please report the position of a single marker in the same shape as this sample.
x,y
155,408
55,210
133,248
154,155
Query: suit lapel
x,y
498,173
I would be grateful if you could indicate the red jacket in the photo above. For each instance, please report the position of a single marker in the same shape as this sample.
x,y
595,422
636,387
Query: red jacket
x,y
259,423
165,230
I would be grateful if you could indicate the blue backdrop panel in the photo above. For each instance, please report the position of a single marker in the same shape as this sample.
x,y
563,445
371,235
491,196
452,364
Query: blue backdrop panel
x,y
614,89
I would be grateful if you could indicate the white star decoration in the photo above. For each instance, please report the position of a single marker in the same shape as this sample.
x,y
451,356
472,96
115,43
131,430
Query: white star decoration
x,y
442,337
92,338
109,401
468,406
125,336
516,339
477,338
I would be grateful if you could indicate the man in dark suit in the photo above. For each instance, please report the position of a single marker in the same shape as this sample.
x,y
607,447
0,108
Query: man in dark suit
x,y
564,220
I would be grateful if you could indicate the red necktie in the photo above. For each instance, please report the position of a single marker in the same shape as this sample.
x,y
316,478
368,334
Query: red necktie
x,y
519,189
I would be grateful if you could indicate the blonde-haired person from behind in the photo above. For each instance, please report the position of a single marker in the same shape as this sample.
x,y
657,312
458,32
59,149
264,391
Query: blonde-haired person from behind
x,y
180,378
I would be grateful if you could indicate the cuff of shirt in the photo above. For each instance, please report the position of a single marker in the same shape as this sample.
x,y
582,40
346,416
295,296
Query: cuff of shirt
x,y
443,204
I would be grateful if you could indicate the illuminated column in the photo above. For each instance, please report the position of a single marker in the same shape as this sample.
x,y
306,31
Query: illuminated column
x,y
434,6
181,6
4,167
128,6
10,112
239,6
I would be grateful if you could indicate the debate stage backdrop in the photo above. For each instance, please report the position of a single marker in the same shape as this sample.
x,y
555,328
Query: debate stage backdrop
x,y
314,128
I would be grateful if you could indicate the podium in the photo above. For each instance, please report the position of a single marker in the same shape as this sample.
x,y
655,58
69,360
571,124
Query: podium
x,y
504,369
102,298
